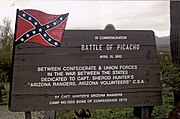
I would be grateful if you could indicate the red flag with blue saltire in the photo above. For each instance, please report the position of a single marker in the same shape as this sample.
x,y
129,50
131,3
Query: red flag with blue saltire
x,y
39,27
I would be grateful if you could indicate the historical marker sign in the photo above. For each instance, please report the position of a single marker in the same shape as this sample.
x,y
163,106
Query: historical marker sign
x,y
91,69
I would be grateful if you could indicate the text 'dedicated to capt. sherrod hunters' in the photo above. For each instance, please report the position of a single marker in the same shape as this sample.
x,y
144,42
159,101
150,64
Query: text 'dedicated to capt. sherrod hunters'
x,y
87,76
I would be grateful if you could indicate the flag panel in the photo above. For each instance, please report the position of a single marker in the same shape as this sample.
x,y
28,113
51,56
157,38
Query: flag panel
x,y
39,27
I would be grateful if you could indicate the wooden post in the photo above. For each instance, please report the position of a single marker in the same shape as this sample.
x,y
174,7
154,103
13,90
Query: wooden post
x,y
50,114
28,115
175,31
175,38
145,113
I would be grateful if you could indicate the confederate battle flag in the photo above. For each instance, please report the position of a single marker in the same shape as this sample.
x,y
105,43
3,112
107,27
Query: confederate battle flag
x,y
39,27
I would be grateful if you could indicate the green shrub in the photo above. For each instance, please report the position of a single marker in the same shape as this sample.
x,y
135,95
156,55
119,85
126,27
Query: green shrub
x,y
163,110
2,93
170,72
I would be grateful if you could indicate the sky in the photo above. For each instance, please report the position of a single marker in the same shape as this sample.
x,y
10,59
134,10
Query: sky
x,y
96,14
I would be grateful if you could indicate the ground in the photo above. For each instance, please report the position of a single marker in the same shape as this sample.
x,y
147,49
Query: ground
x,y
6,114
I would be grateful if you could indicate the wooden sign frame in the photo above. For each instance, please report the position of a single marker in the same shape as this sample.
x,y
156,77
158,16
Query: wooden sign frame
x,y
91,69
